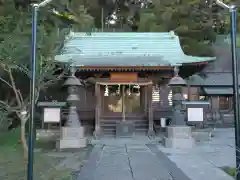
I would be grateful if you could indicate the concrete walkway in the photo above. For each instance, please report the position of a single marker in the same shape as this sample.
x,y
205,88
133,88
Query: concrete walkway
x,y
208,157
128,162
141,158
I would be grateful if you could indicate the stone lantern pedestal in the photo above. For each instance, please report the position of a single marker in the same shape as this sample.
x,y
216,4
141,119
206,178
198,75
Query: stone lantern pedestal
x,y
72,134
179,137
178,134
72,137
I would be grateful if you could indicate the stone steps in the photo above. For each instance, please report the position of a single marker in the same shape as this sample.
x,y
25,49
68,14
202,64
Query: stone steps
x,y
109,126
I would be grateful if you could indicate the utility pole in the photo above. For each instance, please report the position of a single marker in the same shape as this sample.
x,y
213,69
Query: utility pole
x,y
233,11
35,8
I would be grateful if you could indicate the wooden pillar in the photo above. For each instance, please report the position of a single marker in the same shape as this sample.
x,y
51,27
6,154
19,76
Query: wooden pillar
x,y
189,92
145,91
97,111
150,111
123,103
215,107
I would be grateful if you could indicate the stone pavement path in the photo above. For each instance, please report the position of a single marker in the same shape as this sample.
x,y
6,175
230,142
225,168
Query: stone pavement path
x,y
126,162
204,162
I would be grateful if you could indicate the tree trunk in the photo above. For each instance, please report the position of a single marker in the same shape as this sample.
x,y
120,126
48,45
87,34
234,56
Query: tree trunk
x,y
23,138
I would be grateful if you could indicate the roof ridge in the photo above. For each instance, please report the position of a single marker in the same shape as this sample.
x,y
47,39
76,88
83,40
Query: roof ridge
x,y
122,34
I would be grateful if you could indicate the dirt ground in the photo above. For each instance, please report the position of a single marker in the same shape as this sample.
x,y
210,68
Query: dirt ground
x,y
48,163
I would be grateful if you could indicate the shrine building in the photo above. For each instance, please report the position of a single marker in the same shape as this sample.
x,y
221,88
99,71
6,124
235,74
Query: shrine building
x,y
126,77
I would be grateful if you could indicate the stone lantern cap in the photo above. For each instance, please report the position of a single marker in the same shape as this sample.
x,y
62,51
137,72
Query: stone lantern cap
x,y
177,81
72,81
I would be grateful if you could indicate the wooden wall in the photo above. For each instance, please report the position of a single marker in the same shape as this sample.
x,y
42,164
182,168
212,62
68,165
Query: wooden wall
x,y
161,105
87,103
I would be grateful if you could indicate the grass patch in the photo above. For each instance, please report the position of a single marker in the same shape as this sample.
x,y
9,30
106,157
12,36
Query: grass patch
x,y
229,170
46,162
13,166
10,139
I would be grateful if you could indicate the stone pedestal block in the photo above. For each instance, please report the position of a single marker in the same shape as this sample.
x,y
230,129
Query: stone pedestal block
x,y
180,132
124,129
71,138
71,143
72,132
179,137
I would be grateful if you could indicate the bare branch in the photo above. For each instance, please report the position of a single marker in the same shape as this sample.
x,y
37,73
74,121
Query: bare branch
x,y
3,66
7,83
37,96
5,105
14,88
27,100
20,96
8,106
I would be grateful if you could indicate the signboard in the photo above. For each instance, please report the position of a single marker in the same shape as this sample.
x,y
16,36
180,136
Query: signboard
x,y
51,115
123,76
195,114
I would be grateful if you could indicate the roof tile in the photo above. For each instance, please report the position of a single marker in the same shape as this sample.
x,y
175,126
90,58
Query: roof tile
x,y
125,49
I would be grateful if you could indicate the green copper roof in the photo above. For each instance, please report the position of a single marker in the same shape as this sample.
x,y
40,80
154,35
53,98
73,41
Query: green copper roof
x,y
125,49
195,80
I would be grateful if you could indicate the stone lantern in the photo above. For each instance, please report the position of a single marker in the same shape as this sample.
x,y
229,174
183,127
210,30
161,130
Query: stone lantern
x,y
178,134
72,134
177,83
73,84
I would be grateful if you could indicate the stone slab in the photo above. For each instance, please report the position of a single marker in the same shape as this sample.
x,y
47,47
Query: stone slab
x,y
72,132
125,129
179,143
197,168
181,132
71,143
124,162
204,161
175,171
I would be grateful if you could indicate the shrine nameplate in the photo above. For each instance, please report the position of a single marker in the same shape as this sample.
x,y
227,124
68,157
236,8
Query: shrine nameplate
x,y
123,76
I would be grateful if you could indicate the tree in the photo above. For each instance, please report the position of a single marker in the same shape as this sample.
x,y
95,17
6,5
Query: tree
x,y
191,20
196,22
73,13
15,43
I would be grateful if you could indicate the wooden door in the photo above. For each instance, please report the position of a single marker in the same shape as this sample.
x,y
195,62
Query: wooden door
x,y
123,101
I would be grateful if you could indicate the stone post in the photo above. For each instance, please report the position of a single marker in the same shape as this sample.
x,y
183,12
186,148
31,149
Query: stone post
x,y
97,131
151,132
178,134
72,134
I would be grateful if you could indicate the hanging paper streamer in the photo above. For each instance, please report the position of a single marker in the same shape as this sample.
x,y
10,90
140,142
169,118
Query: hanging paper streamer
x,y
129,90
170,98
106,93
118,90
136,86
